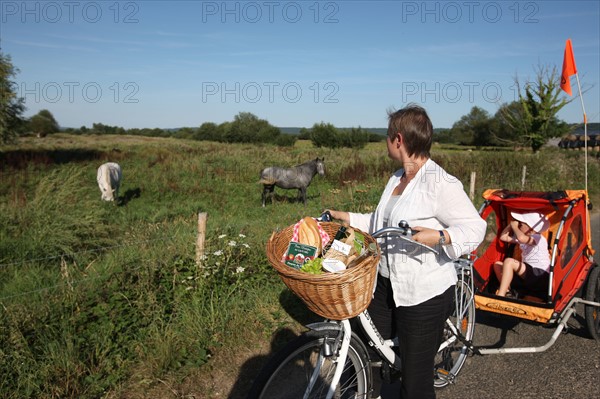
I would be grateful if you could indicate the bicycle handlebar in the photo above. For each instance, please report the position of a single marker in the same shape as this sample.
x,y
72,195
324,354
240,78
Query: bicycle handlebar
x,y
404,232
325,217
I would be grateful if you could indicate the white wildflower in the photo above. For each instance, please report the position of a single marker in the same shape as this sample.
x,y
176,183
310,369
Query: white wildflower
x,y
232,243
223,236
241,236
246,245
240,269
218,253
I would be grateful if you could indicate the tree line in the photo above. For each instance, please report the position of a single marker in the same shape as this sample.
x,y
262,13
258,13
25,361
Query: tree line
x,y
529,121
248,128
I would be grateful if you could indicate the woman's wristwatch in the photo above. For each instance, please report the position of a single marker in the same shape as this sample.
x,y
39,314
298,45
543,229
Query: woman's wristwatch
x,y
442,237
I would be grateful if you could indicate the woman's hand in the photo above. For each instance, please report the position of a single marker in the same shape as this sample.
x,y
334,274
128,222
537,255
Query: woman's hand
x,y
339,215
427,236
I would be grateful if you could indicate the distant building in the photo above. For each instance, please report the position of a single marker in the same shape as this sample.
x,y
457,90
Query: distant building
x,y
576,139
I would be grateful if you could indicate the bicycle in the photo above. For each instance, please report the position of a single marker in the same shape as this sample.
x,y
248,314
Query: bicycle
x,y
330,360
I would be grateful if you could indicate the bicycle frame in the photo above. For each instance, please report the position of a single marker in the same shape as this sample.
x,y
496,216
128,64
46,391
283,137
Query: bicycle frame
x,y
331,345
384,347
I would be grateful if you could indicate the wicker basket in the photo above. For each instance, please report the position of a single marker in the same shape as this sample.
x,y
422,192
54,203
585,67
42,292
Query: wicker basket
x,y
335,296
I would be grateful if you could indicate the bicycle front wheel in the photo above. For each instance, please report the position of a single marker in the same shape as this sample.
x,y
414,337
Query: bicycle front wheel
x,y
291,373
459,328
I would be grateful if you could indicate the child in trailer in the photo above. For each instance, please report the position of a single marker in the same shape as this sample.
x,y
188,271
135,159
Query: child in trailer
x,y
525,229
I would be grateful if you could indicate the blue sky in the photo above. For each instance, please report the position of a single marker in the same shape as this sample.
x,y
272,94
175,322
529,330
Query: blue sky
x,y
182,63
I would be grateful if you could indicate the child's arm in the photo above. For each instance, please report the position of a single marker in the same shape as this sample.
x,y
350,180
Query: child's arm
x,y
520,237
505,235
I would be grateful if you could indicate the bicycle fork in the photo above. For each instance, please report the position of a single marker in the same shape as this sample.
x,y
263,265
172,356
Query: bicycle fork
x,y
327,352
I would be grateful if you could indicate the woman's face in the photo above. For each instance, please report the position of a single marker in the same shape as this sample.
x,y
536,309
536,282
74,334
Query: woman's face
x,y
392,147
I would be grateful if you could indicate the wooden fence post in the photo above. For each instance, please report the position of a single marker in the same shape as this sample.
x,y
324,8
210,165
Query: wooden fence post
x,y
523,177
472,186
201,237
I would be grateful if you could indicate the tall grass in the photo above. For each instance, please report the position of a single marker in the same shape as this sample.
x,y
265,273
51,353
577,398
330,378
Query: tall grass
x,y
97,298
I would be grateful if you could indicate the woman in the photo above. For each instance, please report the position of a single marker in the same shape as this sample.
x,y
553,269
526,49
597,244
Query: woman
x,y
414,292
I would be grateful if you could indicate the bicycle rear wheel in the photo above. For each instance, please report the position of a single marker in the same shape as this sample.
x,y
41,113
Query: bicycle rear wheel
x,y
287,375
453,352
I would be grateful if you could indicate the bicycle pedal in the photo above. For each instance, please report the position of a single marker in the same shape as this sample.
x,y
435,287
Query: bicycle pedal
x,y
445,375
443,372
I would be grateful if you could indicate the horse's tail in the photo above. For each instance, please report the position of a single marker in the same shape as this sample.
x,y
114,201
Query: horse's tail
x,y
268,181
267,177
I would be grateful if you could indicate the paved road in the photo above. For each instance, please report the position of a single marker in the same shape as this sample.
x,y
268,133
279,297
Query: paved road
x,y
569,369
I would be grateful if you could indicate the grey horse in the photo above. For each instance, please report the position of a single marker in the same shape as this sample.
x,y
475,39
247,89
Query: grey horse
x,y
298,177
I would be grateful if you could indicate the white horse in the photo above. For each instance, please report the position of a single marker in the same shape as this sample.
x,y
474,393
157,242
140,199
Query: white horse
x,y
109,180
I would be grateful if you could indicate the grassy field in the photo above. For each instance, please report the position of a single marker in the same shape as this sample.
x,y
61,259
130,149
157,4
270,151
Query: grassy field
x,y
107,300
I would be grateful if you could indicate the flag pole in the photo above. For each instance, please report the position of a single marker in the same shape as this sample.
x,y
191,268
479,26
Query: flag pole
x,y
585,139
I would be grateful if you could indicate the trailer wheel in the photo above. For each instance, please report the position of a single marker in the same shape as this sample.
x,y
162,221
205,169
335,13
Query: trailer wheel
x,y
592,293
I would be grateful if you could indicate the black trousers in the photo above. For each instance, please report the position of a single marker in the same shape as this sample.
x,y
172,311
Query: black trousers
x,y
419,329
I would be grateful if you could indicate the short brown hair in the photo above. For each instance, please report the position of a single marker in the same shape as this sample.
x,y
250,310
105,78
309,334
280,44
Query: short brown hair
x,y
413,123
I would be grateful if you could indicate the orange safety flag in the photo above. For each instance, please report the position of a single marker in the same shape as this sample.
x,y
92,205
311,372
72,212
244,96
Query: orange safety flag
x,y
568,69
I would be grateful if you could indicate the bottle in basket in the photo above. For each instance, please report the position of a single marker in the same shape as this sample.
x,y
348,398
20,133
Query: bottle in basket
x,y
340,235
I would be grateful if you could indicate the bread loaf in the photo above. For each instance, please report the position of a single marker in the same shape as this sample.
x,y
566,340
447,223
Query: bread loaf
x,y
308,233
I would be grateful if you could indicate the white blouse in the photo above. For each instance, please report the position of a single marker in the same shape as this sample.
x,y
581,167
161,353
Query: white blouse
x,y
433,199
536,255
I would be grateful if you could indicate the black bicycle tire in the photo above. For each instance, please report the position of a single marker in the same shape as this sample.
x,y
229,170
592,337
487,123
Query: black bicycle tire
x,y
357,354
439,381
592,293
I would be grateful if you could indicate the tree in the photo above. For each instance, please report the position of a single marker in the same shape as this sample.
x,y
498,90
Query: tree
x,y
354,137
502,126
43,123
304,134
324,135
473,128
534,119
11,105
444,136
184,133
248,128
207,131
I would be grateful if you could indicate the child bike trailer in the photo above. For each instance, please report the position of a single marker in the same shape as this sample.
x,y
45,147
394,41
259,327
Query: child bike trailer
x,y
573,277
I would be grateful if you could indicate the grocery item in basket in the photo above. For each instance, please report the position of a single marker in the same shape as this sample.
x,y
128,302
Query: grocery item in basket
x,y
313,266
357,240
333,265
298,254
339,236
348,247
308,233
339,250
